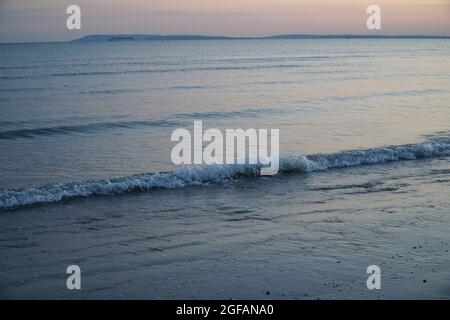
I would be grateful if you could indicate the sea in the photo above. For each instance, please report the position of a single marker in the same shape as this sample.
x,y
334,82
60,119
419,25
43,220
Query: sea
x,y
86,176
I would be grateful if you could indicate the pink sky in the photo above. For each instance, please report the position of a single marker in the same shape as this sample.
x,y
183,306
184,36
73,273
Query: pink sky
x,y
44,20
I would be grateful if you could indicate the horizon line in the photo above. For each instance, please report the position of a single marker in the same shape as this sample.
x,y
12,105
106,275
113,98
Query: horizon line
x,y
205,37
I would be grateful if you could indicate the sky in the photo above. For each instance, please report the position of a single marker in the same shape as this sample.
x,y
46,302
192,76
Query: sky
x,y
45,20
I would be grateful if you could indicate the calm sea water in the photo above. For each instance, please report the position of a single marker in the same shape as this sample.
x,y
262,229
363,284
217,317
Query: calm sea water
x,y
83,111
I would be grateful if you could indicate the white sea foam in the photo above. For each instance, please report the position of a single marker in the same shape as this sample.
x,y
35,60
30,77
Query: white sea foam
x,y
192,176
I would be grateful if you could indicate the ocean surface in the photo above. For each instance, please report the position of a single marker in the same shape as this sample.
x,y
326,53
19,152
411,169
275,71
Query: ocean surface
x,y
86,175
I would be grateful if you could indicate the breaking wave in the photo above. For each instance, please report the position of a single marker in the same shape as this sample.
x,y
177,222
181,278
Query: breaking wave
x,y
204,175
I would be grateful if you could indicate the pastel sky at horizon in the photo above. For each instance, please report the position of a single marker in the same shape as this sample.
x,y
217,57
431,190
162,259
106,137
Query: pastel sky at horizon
x,y
45,20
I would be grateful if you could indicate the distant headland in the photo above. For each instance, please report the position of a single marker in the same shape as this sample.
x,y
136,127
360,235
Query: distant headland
x,y
154,37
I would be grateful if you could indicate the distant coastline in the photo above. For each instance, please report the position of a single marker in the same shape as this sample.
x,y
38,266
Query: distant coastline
x,y
153,37
181,37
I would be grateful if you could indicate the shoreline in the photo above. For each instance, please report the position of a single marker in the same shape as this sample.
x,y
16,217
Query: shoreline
x,y
314,240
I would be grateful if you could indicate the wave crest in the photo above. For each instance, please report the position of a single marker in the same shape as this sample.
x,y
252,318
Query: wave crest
x,y
203,175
